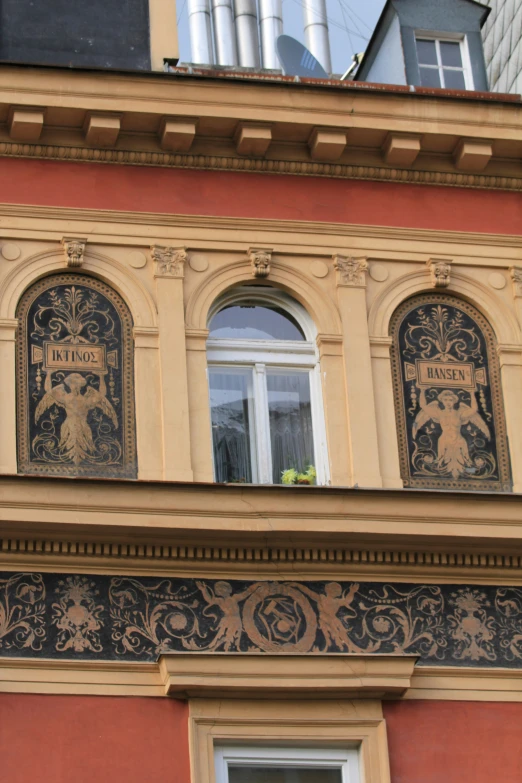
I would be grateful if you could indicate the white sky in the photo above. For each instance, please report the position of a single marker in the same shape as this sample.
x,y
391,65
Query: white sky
x,y
350,21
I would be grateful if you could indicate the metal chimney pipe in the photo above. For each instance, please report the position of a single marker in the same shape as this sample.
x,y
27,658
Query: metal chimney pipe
x,y
224,32
271,23
316,32
245,12
200,31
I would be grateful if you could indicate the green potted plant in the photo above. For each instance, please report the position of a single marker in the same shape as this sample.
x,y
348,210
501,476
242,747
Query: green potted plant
x,y
293,476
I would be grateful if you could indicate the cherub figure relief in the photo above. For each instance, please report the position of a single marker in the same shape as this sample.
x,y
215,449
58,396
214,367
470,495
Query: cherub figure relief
x,y
230,626
328,605
453,454
76,439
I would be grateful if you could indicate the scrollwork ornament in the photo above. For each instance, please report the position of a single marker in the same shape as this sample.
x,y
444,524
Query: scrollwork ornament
x,y
260,258
350,271
169,261
74,249
440,272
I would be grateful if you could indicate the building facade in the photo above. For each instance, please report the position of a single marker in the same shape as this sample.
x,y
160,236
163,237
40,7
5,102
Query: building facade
x,y
501,35
210,280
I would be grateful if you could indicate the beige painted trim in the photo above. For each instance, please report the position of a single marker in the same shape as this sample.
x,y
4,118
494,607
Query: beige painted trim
x,y
471,684
207,232
163,32
89,678
361,723
264,676
118,678
259,166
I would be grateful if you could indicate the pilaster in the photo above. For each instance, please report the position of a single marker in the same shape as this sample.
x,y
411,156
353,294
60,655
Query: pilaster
x,y
334,399
199,407
148,403
351,292
169,265
8,459
510,360
385,412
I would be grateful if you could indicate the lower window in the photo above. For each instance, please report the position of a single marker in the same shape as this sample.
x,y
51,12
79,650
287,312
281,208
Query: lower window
x,y
261,423
286,765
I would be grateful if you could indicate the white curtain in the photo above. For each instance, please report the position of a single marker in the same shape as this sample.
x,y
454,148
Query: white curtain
x,y
230,426
290,415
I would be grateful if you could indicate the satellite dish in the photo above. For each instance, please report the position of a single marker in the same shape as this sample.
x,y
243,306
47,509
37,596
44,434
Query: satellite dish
x,y
296,60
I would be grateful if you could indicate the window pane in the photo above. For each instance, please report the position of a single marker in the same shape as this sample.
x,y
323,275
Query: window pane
x,y
430,77
290,417
426,52
255,322
284,775
450,53
230,406
454,80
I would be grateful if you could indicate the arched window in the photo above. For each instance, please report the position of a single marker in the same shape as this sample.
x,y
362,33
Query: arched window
x,y
448,398
75,380
265,393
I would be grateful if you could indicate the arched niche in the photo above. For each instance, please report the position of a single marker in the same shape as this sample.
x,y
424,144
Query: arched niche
x,y
448,397
75,373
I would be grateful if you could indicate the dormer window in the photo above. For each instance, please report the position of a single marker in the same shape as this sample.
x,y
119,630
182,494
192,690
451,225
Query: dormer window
x,y
443,63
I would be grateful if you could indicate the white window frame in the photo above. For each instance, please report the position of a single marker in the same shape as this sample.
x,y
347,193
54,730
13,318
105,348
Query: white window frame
x,y
438,38
262,356
345,759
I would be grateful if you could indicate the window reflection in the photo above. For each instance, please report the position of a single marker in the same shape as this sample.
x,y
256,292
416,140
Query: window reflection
x,y
290,416
254,322
231,405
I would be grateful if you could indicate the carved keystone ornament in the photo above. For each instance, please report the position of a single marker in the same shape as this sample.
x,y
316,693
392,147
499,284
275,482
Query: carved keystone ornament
x,y
350,271
260,258
168,261
74,249
440,271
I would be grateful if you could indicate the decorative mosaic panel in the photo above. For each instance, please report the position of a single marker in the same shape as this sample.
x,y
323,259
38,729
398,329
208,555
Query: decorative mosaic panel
x,y
122,618
75,377
448,398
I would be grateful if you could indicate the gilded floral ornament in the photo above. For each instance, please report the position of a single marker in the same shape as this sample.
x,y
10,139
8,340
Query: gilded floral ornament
x,y
74,249
440,272
350,271
168,261
260,258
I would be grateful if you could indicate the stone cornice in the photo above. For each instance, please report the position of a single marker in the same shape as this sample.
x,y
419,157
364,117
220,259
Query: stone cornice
x,y
216,107
162,526
260,166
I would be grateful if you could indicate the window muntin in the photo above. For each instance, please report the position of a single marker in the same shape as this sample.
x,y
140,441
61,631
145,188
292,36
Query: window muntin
x,y
286,765
272,419
245,321
443,63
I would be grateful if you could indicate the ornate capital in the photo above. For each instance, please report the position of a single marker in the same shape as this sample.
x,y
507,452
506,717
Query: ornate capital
x,y
516,276
440,271
168,261
74,248
351,271
260,258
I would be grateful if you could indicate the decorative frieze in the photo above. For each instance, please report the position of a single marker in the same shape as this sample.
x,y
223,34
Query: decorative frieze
x,y
260,259
440,271
74,249
90,616
168,261
350,271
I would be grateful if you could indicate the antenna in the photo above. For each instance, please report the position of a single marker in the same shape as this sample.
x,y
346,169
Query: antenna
x,y
296,60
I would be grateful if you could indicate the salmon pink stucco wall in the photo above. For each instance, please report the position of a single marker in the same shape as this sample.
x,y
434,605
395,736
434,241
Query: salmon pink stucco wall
x,y
260,196
454,741
92,739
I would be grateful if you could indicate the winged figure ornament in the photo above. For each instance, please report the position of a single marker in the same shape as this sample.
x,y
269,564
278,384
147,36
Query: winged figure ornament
x,y
451,414
76,440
